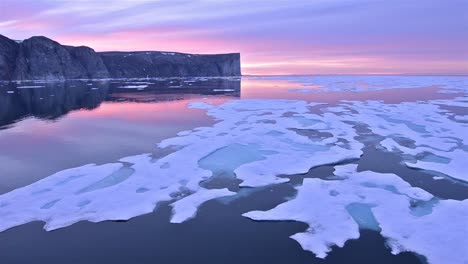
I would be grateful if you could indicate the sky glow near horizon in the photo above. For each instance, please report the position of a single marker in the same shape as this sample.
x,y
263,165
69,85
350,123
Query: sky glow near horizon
x,y
273,37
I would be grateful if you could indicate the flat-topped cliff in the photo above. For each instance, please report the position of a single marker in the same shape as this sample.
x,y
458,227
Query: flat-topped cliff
x,y
40,58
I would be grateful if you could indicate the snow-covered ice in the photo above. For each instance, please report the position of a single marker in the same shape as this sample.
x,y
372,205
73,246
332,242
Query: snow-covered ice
x,y
259,141
440,234
257,128
133,86
223,90
29,86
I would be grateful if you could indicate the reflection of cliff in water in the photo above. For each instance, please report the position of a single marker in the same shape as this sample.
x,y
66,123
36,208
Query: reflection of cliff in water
x,y
53,100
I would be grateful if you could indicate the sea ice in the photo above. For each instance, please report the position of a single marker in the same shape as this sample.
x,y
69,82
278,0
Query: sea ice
x,y
253,141
364,199
426,124
259,141
133,86
223,90
30,86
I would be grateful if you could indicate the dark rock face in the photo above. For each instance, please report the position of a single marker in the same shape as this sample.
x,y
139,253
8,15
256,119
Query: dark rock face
x,y
8,52
40,58
91,62
44,59
169,64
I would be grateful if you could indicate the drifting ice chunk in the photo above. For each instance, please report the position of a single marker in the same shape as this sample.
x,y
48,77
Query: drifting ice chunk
x,y
134,86
30,86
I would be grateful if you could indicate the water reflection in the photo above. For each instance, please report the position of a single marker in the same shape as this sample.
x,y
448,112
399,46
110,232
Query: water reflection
x,y
52,100
62,125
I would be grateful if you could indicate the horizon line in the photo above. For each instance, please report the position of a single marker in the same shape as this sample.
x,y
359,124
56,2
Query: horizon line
x,y
358,74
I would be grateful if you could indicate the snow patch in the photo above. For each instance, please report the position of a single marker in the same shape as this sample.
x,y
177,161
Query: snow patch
x,y
30,86
134,86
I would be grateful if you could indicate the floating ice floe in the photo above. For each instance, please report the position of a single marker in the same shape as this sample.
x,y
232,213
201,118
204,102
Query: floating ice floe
x,y
30,86
148,83
134,86
223,90
259,141
410,218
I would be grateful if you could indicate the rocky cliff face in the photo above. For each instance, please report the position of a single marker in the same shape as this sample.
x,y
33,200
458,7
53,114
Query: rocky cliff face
x,y
40,58
8,53
91,62
167,64
44,59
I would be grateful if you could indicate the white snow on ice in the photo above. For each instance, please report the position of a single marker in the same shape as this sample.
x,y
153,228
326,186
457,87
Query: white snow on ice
x,y
439,233
88,192
30,86
257,141
134,86
223,90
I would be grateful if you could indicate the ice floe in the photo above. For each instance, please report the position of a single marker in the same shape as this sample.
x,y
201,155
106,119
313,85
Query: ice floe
x,y
133,86
30,86
336,209
256,139
223,90
260,141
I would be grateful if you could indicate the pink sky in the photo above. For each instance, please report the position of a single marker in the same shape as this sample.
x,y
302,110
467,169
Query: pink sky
x,y
273,37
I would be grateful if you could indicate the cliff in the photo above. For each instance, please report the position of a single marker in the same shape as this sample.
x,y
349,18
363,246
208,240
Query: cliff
x,y
168,64
8,54
40,58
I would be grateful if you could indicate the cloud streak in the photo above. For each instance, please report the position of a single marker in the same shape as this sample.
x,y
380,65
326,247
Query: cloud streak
x,y
274,37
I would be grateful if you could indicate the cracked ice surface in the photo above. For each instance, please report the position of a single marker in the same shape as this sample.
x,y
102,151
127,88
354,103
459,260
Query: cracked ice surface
x,y
439,233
